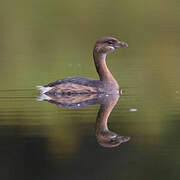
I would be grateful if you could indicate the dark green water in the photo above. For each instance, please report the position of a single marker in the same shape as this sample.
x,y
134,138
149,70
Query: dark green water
x,y
42,41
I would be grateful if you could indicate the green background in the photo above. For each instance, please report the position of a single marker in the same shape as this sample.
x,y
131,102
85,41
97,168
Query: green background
x,y
42,41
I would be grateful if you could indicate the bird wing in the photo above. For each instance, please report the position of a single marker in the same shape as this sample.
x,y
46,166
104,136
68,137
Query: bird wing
x,y
76,80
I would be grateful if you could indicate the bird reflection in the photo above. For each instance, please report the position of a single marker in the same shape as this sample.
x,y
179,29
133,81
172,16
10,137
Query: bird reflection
x,y
105,137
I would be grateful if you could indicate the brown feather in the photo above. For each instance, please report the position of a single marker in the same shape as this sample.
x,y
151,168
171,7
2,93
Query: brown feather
x,y
72,88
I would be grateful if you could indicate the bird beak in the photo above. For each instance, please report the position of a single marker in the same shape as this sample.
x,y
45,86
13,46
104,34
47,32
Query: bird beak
x,y
120,44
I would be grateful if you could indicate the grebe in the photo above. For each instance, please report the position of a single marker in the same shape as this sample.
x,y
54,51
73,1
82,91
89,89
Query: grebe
x,y
79,85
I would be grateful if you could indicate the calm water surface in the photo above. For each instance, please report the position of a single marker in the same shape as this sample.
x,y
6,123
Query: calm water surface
x,y
40,140
42,41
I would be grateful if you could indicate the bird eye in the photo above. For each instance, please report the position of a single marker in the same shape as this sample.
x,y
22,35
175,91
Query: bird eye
x,y
109,42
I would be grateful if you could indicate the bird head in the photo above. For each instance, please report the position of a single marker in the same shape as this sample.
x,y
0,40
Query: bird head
x,y
106,45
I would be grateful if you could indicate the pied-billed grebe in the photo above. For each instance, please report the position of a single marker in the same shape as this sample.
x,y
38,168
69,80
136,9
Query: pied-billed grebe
x,y
79,85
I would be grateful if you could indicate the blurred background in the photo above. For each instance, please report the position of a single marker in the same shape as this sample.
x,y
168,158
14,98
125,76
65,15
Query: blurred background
x,y
42,41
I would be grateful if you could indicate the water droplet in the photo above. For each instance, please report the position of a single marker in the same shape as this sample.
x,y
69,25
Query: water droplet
x,y
121,91
133,110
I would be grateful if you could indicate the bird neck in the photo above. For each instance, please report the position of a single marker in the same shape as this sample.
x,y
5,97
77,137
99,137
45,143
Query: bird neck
x,y
101,67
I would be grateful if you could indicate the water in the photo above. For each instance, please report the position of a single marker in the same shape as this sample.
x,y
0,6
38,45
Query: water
x,y
47,40
42,140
